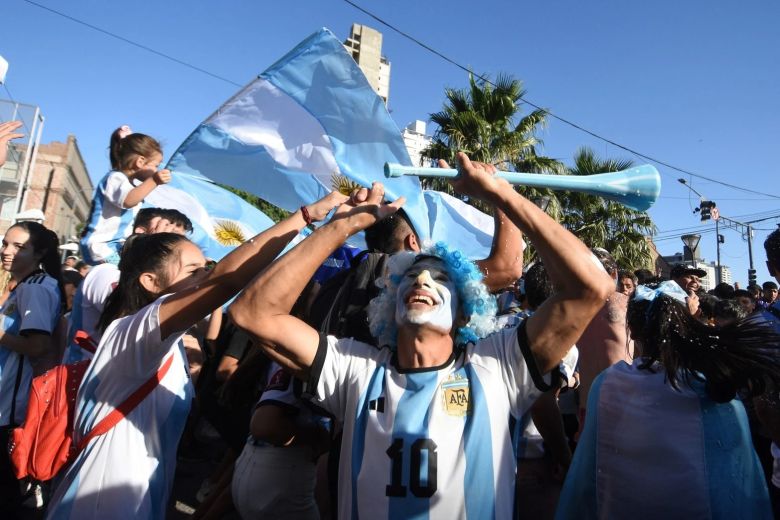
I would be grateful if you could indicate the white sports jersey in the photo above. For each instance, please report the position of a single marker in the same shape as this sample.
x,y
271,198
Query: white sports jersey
x,y
428,443
109,222
127,472
88,304
33,306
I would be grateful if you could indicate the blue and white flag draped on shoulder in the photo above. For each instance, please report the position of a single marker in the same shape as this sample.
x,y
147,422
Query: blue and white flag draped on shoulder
x,y
308,118
221,220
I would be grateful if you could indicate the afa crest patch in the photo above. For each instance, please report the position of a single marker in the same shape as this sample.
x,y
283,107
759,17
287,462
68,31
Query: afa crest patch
x,y
455,392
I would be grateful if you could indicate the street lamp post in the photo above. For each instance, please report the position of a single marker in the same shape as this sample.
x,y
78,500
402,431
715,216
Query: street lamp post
x,y
692,242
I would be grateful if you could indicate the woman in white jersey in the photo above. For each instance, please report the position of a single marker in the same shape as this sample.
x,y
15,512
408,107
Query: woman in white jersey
x,y
665,437
163,290
29,316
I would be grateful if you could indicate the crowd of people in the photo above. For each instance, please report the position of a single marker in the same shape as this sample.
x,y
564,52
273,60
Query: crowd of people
x,y
414,382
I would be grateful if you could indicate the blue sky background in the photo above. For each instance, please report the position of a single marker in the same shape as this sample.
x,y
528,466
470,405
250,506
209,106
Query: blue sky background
x,y
692,83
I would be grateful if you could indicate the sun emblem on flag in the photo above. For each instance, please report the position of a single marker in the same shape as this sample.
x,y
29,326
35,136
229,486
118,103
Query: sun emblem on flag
x,y
229,232
342,184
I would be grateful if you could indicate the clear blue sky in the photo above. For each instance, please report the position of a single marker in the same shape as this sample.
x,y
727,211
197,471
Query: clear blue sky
x,y
692,83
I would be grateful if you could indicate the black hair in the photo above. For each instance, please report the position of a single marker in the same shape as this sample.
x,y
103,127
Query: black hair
x,y
744,355
606,259
140,254
71,277
730,310
623,273
538,286
743,293
723,290
772,247
385,235
43,240
707,303
644,276
769,285
145,216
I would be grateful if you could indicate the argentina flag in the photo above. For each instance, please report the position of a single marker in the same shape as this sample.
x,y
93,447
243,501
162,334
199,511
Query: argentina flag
x,y
309,124
220,219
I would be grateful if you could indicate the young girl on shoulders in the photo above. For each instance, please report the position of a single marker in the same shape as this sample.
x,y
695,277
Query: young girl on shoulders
x,y
135,159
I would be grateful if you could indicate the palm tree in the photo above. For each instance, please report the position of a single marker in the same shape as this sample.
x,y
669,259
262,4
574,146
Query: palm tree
x,y
602,223
480,120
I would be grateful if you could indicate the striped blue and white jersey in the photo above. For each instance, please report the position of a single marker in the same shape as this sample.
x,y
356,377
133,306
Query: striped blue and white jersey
x,y
429,443
109,222
650,451
127,473
33,306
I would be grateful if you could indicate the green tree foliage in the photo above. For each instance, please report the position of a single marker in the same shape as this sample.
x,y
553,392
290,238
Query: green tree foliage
x,y
603,223
484,121
275,213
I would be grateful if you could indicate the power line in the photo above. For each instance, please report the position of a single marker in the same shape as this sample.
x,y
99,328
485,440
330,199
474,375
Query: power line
x,y
135,44
424,46
554,116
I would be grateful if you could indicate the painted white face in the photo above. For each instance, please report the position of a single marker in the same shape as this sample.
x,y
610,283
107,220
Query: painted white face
x,y
427,296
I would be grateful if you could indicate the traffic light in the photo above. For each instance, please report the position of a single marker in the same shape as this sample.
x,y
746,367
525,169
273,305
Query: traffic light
x,y
721,239
706,209
751,277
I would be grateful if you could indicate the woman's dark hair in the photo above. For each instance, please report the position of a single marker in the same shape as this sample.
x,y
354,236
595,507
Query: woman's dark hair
x,y
44,241
538,286
743,355
123,151
141,254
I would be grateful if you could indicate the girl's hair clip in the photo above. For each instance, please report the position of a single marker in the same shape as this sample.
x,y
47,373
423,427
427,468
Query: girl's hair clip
x,y
124,131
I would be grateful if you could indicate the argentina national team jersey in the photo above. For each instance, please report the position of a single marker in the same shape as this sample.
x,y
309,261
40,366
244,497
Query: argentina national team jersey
x,y
110,223
428,443
33,306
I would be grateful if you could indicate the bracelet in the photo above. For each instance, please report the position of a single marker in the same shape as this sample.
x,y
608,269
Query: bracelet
x,y
306,216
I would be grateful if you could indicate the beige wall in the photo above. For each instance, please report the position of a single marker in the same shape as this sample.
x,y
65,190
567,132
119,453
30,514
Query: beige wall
x,y
60,187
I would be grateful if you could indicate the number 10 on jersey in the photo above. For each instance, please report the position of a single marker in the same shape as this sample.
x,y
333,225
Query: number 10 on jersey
x,y
421,451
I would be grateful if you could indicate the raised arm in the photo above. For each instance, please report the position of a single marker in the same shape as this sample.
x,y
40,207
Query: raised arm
x,y
263,309
139,193
504,265
582,286
234,272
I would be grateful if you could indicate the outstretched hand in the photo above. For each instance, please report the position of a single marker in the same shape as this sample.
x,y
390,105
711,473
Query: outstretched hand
x,y
475,179
366,207
320,209
6,134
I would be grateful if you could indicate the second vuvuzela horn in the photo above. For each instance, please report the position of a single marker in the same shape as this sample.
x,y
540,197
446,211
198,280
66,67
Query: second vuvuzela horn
x,y
637,188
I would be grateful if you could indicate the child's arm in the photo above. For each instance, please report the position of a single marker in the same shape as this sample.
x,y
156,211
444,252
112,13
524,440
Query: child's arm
x,y
137,194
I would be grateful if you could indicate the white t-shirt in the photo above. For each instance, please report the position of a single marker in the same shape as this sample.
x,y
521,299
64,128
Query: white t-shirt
x,y
127,472
109,222
33,306
88,305
431,442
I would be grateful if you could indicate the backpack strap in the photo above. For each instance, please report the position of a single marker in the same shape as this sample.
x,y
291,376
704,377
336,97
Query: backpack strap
x,y
17,384
85,341
121,411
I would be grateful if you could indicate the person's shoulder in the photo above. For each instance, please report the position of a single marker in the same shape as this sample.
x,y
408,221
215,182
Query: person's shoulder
x,y
40,281
357,348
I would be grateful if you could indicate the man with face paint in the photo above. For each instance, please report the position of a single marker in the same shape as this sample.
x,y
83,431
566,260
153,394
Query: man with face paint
x,y
426,414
